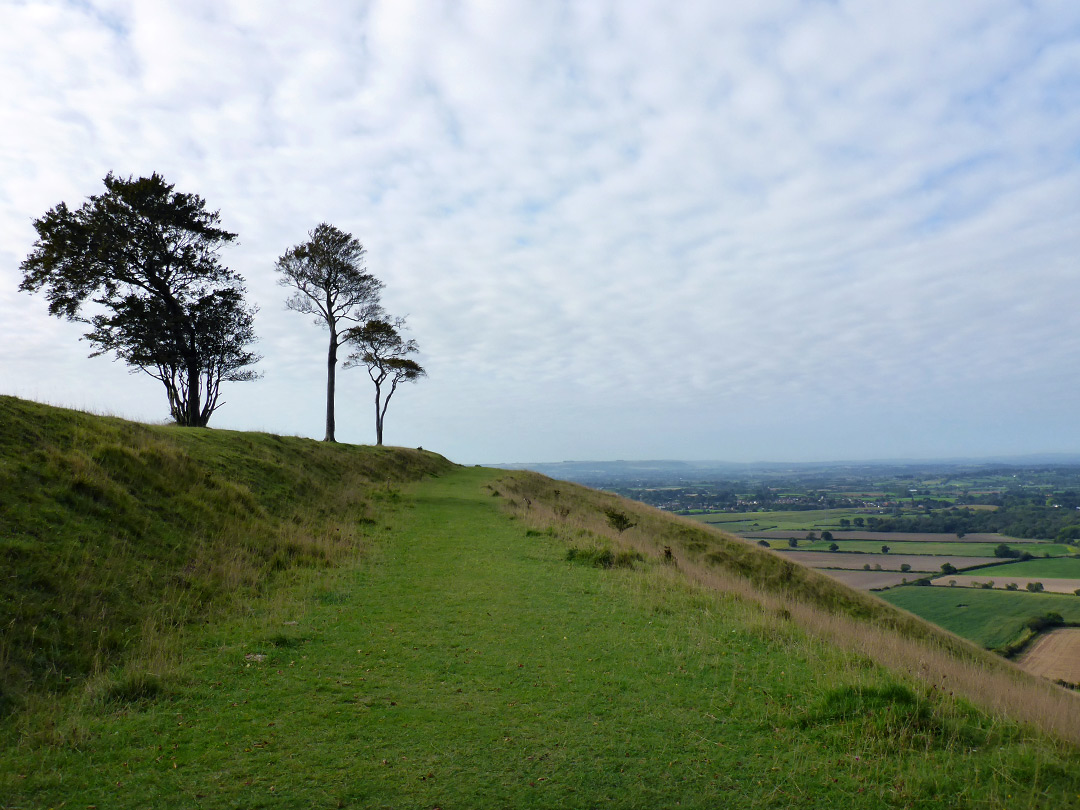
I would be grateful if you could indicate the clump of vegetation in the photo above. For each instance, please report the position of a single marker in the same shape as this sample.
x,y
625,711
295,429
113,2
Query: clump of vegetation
x,y
618,520
603,557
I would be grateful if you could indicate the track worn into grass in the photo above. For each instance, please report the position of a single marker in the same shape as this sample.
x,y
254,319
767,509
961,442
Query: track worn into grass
x,y
465,663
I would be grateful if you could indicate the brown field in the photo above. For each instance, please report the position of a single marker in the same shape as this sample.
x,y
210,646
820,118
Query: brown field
x,y
889,562
1055,656
970,581
916,537
868,580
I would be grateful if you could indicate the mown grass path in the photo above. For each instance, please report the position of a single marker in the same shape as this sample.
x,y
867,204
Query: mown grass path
x,y
464,663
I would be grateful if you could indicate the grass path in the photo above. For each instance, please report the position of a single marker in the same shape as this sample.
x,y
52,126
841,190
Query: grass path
x,y
464,663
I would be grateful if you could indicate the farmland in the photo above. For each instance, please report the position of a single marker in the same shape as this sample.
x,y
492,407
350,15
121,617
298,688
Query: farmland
x,y
888,562
990,618
1055,656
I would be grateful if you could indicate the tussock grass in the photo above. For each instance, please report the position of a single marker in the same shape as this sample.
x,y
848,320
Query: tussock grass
x,y
115,535
783,591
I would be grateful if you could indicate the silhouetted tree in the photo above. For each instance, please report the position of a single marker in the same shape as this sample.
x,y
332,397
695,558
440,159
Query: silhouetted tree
x,y
385,353
329,280
147,256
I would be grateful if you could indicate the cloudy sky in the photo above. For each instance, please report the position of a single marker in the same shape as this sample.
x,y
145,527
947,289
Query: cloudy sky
x,y
749,230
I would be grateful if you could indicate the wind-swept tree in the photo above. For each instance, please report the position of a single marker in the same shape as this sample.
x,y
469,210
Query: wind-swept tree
x,y
329,280
145,257
385,353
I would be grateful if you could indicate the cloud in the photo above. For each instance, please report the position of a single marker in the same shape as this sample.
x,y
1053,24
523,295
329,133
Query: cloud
x,y
745,230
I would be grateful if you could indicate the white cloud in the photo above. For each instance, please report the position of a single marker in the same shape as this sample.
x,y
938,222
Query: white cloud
x,y
741,230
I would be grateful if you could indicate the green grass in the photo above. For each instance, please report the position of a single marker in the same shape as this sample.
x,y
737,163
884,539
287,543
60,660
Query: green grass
x,y
1062,568
468,664
993,619
113,530
455,657
809,519
910,547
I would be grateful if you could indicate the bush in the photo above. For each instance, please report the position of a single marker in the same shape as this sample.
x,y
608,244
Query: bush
x,y
948,568
1035,587
1040,623
764,543
1012,586
905,567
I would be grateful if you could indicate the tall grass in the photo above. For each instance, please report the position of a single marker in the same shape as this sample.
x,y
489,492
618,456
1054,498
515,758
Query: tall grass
x,y
784,591
114,535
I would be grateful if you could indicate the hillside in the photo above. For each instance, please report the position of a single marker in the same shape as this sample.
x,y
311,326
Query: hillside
x,y
408,633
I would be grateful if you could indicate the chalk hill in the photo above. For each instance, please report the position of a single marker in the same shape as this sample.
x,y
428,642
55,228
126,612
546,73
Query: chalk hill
x,y
218,619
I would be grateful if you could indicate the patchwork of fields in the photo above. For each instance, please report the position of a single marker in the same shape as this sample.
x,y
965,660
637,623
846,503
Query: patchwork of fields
x,y
993,617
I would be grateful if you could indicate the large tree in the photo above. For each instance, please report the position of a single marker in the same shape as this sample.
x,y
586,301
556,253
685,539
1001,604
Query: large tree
x,y
329,280
381,348
144,259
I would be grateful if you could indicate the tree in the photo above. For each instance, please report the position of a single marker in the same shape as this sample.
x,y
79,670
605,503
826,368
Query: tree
x,y
329,281
146,257
884,549
385,353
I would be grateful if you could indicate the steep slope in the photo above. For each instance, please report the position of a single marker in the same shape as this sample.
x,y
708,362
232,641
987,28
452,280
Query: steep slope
x,y
112,532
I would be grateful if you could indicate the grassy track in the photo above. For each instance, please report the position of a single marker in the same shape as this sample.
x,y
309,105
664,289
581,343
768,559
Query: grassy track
x,y
991,618
467,664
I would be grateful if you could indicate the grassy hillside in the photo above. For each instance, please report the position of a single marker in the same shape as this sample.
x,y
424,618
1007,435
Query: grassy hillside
x,y
499,643
113,532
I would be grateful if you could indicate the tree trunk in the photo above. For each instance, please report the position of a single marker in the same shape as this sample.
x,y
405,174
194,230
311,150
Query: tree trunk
x,y
331,371
378,415
194,415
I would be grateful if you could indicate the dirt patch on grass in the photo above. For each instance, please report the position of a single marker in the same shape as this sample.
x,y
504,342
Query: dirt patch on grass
x,y
1055,656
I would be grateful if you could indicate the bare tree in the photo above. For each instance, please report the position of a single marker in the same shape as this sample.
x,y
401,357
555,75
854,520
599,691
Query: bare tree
x,y
329,280
385,353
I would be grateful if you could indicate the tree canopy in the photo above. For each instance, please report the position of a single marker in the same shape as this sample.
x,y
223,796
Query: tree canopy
x,y
328,279
381,348
145,257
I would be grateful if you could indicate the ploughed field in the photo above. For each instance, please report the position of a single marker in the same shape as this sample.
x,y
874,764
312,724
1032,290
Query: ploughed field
x,y
1055,655
989,576
923,563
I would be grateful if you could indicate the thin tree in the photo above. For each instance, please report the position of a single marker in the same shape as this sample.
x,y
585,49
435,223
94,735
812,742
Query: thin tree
x,y
329,280
385,353
146,257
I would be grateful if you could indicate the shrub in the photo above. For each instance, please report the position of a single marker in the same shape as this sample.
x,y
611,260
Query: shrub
x,y
618,520
905,567
866,567
1039,623
948,568
1012,586
833,547
1035,587
764,543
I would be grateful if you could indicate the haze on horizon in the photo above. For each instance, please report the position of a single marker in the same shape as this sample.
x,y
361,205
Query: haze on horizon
x,y
782,230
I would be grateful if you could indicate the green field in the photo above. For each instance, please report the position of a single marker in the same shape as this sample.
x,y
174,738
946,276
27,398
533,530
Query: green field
x,y
1061,568
990,618
401,632
914,547
808,520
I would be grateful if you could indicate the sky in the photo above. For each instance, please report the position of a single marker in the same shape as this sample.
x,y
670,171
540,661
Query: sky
x,y
756,230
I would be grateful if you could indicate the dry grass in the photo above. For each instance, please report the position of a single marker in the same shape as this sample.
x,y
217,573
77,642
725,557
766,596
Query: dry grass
x,y
828,611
